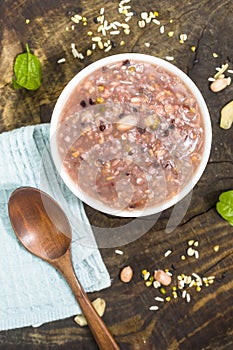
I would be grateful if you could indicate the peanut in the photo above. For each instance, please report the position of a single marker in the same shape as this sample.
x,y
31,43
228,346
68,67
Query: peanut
x,y
220,84
99,304
227,116
162,277
126,274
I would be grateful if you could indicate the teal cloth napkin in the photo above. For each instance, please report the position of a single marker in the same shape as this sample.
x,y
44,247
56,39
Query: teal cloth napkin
x,y
31,291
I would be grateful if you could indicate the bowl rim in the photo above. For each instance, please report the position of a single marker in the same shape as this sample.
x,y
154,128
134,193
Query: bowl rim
x,y
65,94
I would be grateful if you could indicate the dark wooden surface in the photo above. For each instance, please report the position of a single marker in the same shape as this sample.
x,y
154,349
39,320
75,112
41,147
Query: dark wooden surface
x,y
207,321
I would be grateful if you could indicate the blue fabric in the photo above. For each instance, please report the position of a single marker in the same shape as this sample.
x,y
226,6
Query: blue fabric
x,y
31,291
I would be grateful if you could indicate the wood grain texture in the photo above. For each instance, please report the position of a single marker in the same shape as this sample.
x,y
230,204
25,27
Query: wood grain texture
x,y
206,323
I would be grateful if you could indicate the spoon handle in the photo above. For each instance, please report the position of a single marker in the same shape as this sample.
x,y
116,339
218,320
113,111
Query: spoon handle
x,y
98,328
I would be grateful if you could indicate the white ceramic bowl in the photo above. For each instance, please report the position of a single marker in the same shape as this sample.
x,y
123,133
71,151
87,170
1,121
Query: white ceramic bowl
x,y
96,204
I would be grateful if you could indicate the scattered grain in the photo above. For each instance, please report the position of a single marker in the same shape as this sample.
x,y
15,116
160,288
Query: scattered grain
x,y
141,24
80,56
159,299
188,298
127,8
190,251
162,29
169,58
181,284
167,253
128,18
151,14
198,278
75,19
96,39
75,52
170,34
37,325
191,284
169,273
129,14
211,281
221,70
210,278
156,21
127,31
125,26
162,290
191,242
144,15
184,294
144,272
153,308
119,252
61,60
100,45
148,283
146,276
156,284
116,24
187,279
183,38
100,28
115,32
89,52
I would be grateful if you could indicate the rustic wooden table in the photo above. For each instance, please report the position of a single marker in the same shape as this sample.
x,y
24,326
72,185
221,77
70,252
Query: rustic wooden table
x,y
207,321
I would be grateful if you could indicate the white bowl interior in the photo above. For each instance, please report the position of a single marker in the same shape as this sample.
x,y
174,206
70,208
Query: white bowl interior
x,y
65,96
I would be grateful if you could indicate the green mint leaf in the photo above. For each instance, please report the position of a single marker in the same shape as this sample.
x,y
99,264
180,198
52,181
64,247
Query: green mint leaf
x,y
225,206
27,69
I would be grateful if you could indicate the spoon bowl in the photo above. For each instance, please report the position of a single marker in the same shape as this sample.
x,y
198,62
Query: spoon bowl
x,y
44,230
32,211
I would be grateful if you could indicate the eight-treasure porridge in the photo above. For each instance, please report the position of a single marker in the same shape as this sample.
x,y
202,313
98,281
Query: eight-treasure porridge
x,y
131,135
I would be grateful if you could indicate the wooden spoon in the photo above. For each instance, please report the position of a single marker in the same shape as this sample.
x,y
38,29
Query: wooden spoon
x,y
43,228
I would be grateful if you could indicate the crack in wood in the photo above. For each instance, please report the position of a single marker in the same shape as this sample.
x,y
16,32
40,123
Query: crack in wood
x,y
196,216
218,262
219,162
